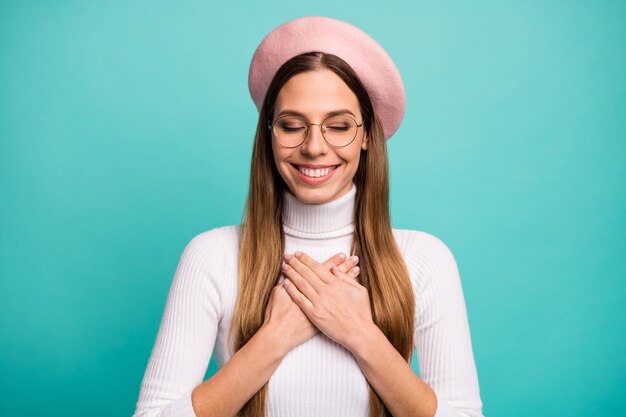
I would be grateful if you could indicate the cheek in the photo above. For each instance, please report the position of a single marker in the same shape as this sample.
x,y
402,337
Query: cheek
x,y
352,155
279,163
277,156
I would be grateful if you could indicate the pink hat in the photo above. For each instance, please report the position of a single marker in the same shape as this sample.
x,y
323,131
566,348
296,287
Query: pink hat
x,y
367,58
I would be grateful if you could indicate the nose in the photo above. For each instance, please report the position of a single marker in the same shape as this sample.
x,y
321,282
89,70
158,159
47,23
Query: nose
x,y
314,144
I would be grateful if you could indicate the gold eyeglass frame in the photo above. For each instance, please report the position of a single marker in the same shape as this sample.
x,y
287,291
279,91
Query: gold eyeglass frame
x,y
270,126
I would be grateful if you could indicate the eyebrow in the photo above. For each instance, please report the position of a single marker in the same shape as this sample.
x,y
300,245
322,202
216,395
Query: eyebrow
x,y
330,113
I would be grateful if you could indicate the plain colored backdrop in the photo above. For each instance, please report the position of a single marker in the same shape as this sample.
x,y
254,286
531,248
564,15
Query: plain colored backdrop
x,y
126,129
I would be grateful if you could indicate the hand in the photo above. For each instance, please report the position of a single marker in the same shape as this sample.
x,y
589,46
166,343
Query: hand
x,y
284,316
336,304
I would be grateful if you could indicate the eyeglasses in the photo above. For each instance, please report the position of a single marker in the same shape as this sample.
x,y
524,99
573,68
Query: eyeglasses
x,y
291,131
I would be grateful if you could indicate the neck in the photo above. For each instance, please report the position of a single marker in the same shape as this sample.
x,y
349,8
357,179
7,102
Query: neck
x,y
319,221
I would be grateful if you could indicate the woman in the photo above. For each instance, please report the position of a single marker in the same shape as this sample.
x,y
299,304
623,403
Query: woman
x,y
299,328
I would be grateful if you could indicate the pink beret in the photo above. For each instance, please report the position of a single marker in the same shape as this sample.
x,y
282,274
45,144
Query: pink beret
x,y
367,58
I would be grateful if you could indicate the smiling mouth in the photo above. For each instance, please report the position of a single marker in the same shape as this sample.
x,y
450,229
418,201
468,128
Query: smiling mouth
x,y
315,173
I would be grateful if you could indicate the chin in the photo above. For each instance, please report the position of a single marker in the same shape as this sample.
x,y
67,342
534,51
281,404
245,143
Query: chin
x,y
306,195
315,196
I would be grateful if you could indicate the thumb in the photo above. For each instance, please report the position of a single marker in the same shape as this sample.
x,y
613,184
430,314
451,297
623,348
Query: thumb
x,y
269,302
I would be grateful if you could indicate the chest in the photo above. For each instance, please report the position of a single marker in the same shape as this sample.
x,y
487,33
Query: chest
x,y
318,378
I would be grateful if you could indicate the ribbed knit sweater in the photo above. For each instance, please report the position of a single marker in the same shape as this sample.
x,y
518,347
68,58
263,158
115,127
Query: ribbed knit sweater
x,y
319,378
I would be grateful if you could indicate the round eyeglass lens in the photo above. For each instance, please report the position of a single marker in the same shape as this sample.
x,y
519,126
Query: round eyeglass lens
x,y
290,130
338,130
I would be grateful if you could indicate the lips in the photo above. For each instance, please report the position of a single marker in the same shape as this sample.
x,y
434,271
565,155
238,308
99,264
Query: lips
x,y
313,166
315,171
315,180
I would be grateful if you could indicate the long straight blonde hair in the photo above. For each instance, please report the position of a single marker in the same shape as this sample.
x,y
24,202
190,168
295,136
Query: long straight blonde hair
x,y
262,243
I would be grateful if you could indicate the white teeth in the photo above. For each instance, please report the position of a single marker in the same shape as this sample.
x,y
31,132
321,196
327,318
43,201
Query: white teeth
x,y
315,173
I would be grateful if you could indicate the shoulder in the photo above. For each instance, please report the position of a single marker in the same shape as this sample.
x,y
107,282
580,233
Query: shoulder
x,y
219,243
207,267
426,255
222,235
421,242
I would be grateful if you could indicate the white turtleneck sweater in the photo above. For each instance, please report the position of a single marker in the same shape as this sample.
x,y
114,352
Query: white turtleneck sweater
x,y
319,378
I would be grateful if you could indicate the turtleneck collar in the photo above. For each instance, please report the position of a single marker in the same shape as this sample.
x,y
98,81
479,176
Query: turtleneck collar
x,y
319,221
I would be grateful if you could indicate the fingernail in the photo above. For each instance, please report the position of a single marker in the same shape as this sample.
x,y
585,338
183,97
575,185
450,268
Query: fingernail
x,y
355,270
288,257
342,255
354,258
285,267
298,254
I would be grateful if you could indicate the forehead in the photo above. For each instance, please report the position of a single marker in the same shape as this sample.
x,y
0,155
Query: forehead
x,y
316,93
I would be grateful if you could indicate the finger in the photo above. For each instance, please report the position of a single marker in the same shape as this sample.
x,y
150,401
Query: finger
x,y
354,273
339,260
300,299
350,279
303,284
334,260
348,264
311,270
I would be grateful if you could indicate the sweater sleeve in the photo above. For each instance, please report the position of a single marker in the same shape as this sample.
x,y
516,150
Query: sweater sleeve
x,y
442,335
186,336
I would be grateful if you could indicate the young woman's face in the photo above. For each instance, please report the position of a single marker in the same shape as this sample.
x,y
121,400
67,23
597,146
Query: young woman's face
x,y
315,94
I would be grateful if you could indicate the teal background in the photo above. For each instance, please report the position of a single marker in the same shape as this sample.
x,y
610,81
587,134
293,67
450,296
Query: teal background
x,y
126,129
